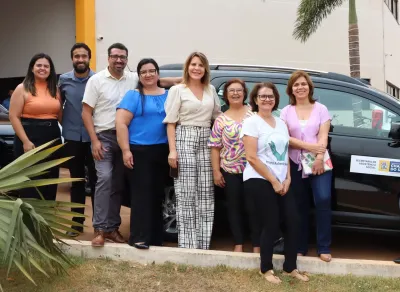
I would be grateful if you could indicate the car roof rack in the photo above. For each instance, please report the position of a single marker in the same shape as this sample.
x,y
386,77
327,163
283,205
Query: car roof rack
x,y
276,69
262,68
244,67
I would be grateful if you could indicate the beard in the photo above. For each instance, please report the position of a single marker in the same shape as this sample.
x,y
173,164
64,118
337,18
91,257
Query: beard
x,y
81,70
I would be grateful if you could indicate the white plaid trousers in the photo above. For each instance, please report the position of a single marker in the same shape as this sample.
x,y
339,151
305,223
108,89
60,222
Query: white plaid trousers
x,y
194,188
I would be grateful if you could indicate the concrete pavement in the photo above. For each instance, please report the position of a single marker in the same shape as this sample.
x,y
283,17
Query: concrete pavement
x,y
210,258
346,245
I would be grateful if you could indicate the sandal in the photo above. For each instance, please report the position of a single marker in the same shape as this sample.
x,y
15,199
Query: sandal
x,y
326,257
270,277
297,275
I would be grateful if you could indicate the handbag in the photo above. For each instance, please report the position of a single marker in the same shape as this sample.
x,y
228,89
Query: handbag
x,y
308,158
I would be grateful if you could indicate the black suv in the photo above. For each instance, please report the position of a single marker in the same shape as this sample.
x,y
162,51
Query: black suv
x,y
363,142
6,138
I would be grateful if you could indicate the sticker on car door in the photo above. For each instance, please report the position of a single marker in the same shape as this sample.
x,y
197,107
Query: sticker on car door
x,y
375,165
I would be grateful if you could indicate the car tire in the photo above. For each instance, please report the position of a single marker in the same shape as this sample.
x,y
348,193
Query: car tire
x,y
169,215
279,246
88,189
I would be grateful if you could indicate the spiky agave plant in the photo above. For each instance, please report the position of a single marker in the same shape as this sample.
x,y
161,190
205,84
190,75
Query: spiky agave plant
x,y
31,230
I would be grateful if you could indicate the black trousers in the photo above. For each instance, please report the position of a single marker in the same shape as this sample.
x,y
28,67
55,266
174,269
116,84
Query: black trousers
x,y
271,207
241,210
82,157
147,180
40,131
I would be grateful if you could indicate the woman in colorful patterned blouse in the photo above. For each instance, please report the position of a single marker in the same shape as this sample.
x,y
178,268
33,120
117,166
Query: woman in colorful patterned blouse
x,y
228,162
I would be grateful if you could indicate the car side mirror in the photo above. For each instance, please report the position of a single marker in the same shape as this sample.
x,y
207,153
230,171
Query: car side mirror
x,y
394,133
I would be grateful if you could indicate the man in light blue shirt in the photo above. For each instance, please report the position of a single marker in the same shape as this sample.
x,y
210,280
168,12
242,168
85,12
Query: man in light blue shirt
x,y
72,87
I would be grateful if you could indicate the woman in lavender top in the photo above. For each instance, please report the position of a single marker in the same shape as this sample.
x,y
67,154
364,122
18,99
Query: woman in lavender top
x,y
228,161
308,122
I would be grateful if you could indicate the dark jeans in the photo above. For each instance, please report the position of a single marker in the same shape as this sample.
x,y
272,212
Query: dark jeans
x,y
82,156
271,209
39,132
147,180
241,209
109,185
320,186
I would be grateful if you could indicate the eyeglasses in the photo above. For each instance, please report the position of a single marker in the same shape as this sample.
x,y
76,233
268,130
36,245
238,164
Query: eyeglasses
x,y
116,57
265,97
151,72
232,90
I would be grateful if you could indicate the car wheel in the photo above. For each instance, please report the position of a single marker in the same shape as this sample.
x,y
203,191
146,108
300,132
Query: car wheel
x,y
169,215
279,246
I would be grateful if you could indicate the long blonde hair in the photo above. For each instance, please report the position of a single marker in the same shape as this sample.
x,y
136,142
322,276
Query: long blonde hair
x,y
205,80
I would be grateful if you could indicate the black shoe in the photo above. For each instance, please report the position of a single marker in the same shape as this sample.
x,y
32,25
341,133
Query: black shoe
x,y
397,261
79,230
141,245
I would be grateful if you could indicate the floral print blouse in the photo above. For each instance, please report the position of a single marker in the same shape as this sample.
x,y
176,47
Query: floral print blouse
x,y
225,134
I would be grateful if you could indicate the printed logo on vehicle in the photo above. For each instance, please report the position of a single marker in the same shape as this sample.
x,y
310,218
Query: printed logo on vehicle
x,y
375,165
384,165
394,166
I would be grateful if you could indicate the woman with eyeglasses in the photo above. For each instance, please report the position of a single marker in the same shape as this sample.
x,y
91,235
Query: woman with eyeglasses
x,y
190,108
142,137
267,179
228,161
35,110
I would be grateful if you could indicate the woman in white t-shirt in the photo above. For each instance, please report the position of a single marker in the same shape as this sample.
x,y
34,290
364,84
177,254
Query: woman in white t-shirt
x,y
190,107
267,179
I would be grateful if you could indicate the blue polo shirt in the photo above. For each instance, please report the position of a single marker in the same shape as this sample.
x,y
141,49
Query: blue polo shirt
x,y
146,127
72,89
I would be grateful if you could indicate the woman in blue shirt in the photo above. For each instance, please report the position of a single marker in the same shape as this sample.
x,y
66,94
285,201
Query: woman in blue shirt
x,y
143,140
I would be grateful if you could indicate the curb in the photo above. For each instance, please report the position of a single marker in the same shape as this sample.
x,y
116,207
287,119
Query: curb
x,y
212,258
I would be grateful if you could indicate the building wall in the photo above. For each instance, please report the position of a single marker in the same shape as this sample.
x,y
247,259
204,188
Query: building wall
x,y
392,47
244,32
28,27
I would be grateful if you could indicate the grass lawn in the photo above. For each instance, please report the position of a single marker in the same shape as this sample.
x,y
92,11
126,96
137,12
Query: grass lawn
x,y
106,275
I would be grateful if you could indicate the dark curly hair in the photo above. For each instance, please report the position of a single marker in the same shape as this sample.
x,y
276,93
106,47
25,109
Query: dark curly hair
x,y
254,95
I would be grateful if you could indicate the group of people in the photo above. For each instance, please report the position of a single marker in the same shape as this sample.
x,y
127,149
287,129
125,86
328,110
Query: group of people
x,y
256,158
127,124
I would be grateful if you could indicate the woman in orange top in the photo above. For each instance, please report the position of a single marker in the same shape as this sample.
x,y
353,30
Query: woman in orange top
x,y
35,110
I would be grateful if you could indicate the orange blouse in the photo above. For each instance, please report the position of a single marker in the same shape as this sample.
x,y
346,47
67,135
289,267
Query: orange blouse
x,y
41,106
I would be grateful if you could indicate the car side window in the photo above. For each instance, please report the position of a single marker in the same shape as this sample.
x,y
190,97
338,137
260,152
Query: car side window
x,y
355,115
284,98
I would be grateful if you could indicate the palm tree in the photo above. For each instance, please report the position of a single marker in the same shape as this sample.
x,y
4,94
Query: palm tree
x,y
31,229
310,15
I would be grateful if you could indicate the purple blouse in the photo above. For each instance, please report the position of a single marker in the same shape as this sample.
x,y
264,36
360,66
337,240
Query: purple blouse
x,y
319,115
